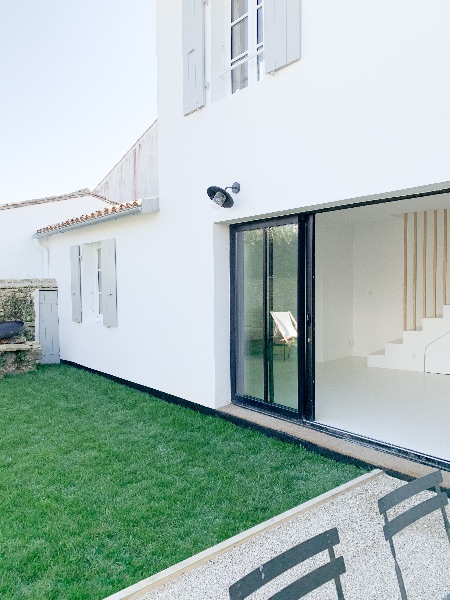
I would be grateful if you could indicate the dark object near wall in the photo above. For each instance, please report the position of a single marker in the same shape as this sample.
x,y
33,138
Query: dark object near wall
x,y
9,329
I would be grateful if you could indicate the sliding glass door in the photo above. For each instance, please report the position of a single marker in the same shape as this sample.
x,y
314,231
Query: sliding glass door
x,y
269,318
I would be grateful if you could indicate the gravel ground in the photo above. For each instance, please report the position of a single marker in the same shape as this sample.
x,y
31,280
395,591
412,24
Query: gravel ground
x,y
423,552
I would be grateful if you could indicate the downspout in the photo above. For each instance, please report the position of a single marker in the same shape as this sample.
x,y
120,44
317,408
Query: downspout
x,y
46,256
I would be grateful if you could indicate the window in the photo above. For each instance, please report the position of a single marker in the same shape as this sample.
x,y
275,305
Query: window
x,y
246,38
98,281
94,283
246,42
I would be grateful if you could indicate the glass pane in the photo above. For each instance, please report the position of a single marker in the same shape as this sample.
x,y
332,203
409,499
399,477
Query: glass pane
x,y
239,38
99,258
250,343
259,26
282,250
239,78
238,8
100,285
260,62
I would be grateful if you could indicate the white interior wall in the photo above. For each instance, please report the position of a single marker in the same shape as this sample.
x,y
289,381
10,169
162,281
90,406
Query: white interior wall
x,y
334,290
377,283
359,283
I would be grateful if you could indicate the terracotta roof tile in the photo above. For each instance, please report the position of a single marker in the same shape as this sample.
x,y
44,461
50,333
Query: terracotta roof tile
x,y
116,208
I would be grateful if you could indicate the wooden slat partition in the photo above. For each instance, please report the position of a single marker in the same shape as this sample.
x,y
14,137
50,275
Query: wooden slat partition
x,y
434,263
424,267
405,272
415,275
444,262
430,280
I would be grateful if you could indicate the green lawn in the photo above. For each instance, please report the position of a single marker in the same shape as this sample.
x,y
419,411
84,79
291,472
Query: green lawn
x,y
102,485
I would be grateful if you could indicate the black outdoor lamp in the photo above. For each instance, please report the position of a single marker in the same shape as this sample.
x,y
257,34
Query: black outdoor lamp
x,y
220,197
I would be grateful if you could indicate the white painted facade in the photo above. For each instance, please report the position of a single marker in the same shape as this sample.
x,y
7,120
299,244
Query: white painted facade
x,y
21,258
136,175
362,114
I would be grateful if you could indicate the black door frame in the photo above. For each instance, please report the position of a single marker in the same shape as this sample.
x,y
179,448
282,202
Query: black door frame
x,y
305,315
309,417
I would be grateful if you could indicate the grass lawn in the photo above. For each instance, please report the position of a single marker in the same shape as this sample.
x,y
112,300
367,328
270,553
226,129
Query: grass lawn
x,y
102,485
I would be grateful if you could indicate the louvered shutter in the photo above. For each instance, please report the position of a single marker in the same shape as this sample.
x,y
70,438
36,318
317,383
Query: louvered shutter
x,y
75,274
109,280
282,33
193,55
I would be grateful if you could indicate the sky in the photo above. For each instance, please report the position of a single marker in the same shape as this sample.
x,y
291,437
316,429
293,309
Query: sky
x,y
77,89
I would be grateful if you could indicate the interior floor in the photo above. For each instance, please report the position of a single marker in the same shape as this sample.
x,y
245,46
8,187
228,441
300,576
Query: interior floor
x,y
407,409
403,408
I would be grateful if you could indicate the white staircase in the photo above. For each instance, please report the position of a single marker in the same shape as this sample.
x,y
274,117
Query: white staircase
x,y
410,352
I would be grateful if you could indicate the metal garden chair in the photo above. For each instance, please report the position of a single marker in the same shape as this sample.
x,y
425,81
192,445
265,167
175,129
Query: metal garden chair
x,y
289,559
410,516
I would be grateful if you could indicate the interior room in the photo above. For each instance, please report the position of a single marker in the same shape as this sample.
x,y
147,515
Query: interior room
x,y
382,323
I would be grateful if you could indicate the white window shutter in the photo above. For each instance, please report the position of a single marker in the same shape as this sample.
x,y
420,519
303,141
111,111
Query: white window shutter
x,y
193,55
281,33
109,280
75,278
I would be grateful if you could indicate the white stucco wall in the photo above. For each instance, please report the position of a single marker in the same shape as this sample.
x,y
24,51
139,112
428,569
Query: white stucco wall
x,y
20,258
364,111
166,330
136,175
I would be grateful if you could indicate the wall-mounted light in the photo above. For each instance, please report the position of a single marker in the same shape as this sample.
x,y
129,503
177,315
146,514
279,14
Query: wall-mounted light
x,y
220,197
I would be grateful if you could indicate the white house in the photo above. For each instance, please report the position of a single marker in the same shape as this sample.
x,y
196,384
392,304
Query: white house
x,y
333,117
21,255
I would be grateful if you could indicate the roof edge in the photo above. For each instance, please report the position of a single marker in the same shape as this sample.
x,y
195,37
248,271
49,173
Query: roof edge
x,y
69,196
146,205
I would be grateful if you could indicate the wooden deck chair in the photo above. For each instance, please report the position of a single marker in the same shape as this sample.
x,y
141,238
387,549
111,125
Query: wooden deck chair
x,y
410,516
289,559
285,332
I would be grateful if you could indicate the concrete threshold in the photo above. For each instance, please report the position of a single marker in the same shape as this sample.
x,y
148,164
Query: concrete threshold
x,y
376,458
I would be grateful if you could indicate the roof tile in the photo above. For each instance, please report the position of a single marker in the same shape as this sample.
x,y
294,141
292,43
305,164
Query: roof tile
x,y
116,208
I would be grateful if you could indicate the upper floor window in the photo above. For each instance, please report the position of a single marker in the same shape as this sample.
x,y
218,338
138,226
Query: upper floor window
x,y
247,42
246,38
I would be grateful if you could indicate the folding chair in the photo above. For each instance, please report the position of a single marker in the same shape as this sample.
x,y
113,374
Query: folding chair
x,y
410,516
285,331
289,559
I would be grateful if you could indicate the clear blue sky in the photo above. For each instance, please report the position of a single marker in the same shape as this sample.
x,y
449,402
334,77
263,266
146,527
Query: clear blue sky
x,y
77,88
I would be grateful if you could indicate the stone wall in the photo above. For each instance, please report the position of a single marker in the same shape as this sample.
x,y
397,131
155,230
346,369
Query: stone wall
x,y
17,303
21,354
19,358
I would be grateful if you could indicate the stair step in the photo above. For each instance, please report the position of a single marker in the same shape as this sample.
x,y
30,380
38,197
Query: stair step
x,y
407,353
